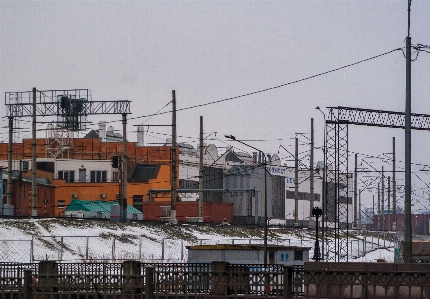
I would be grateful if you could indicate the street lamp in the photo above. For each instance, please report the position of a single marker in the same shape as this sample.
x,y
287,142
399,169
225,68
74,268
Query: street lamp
x,y
324,197
316,212
265,192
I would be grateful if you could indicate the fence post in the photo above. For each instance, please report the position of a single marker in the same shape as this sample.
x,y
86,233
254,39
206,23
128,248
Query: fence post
x,y
162,249
28,284
288,282
86,249
364,285
149,282
31,250
364,246
60,253
140,248
48,276
113,248
182,250
220,280
131,272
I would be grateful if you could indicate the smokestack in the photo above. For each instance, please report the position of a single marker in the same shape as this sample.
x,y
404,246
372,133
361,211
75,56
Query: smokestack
x,y
102,130
140,136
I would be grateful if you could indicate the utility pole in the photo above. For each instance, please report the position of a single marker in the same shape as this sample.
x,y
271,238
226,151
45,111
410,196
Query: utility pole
x,y
373,210
388,205
9,166
311,202
355,191
296,184
201,172
383,199
359,208
266,221
33,159
379,209
173,219
394,186
124,169
408,142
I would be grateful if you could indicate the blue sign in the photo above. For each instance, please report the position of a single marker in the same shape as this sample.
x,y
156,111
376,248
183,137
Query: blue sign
x,y
285,257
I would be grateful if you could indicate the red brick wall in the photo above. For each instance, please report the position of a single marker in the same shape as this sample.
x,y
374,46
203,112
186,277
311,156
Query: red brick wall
x,y
212,212
22,200
420,223
86,148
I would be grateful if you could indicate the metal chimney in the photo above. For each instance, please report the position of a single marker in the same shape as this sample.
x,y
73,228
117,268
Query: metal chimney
x,y
102,130
140,136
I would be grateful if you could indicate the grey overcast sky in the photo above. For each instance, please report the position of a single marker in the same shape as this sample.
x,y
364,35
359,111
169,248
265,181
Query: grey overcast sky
x,y
213,50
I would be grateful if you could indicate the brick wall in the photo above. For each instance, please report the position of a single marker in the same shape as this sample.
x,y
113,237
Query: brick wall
x,y
212,212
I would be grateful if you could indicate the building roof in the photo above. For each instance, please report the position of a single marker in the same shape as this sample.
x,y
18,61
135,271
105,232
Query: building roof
x,y
245,247
239,157
245,157
110,136
96,206
187,149
241,170
15,175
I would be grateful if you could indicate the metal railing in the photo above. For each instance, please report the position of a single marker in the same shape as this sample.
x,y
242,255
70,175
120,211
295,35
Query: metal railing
x,y
135,280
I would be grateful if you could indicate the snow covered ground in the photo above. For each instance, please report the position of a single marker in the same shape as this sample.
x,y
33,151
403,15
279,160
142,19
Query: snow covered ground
x,y
32,240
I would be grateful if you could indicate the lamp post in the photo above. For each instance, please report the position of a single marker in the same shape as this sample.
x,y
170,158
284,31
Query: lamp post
x,y
265,192
324,189
316,212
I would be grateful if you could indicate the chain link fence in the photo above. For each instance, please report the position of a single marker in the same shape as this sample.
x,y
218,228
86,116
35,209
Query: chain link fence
x,y
129,247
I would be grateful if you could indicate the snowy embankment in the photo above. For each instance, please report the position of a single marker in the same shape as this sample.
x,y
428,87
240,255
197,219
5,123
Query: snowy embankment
x,y
32,240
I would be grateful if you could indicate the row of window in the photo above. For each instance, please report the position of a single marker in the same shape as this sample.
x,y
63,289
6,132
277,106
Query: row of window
x,y
302,195
96,176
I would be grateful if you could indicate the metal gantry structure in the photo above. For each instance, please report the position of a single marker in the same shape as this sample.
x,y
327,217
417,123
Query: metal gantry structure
x,y
337,176
66,104
71,107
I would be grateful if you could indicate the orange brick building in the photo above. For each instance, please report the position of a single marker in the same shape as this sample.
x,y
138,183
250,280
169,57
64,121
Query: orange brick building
x,y
82,170
83,152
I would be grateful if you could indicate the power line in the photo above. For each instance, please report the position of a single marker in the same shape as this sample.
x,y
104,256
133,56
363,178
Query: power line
x,y
272,88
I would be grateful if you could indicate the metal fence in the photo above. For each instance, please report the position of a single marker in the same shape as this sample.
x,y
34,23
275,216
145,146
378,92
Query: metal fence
x,y
160,280
135,280
118,248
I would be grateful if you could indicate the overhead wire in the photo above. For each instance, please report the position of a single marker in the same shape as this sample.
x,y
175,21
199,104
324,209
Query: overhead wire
x,y
273,87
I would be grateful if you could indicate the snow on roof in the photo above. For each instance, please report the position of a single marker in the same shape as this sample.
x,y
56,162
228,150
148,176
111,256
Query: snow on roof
x,y
187,149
